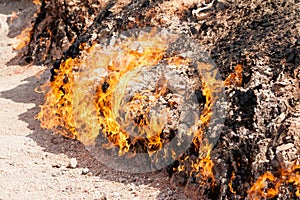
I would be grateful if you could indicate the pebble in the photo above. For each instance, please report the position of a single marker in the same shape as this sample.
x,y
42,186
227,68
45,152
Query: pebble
x,y
170,192
116,194
123,180
57,165
152,98
85,171
285,147
72,163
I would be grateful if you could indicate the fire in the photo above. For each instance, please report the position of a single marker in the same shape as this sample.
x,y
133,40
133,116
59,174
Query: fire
x,y
150,53
262,188
24,38
203,167
56,113
235,78
87,98
230,183
73,79
37,2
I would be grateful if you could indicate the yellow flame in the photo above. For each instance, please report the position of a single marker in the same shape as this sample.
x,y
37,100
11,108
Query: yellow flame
x,y
56,113
24,38
87,94
235,78
286,176
37,2
149,54
230,183
99,110
203,166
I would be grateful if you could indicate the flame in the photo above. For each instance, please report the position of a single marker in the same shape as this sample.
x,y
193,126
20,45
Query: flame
x,y
230,183
56,113
37,2
69,89
24,38
235,78
14,16
108,103
210,87
87,95
285,176
203,167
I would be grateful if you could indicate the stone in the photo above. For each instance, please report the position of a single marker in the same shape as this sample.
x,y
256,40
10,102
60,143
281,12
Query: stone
x,y
85,171
285,147
72,163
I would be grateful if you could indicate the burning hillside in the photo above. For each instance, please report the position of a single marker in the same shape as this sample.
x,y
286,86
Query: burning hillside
x,y
144,93
150,98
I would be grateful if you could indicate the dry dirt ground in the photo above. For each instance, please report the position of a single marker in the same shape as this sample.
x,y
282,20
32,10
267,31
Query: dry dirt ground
x,y
34,162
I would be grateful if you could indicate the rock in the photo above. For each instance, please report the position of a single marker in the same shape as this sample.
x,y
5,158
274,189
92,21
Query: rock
x,y
57,165
170,192
123,180
85,171
103,198
72,163
285,147
152,98
116,194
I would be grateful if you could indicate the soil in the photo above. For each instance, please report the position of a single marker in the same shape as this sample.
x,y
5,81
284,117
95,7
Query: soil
x,y
34,163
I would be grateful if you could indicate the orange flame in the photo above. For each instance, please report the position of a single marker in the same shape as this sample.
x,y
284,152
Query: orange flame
x,y
154,50
235,78
203,166
56,113
286,176
70,89
230,183
37,2
24,38
210,88
86,95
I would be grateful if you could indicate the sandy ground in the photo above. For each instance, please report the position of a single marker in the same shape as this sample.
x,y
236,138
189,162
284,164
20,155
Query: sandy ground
x,y
34,162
